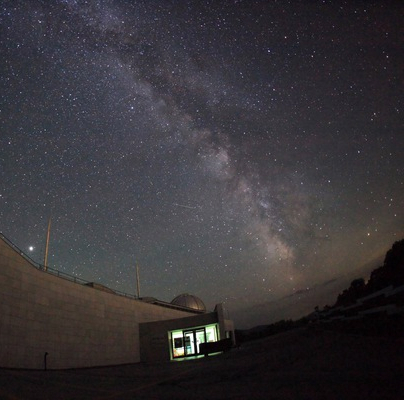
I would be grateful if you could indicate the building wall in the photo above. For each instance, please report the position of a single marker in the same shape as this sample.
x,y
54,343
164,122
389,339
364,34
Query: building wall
x,y
78,326
154,340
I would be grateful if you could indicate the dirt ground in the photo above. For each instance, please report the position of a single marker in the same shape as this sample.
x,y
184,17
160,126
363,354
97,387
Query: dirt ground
x,y
305,364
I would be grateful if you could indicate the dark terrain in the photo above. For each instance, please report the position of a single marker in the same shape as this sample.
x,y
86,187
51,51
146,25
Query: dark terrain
x,y
308,363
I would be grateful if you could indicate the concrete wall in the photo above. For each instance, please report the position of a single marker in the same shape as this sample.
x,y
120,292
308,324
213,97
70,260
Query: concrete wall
x,y
154,340
78,326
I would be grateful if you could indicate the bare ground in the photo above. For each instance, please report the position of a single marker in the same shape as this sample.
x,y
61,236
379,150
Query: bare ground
x,y
305,364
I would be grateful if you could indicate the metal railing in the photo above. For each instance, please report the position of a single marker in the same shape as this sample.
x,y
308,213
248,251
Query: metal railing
x,y
84,282
56,272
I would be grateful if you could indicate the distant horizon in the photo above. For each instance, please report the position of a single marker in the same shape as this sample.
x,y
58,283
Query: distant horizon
x,y
283,308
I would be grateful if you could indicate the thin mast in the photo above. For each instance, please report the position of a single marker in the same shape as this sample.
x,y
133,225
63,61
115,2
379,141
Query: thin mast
x,y
137,280
45,260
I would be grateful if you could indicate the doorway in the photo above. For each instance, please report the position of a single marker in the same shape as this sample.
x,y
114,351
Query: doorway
x,y
186,343
192,339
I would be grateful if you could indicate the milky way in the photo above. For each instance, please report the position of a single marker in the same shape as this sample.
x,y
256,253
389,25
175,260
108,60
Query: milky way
x,y
244,152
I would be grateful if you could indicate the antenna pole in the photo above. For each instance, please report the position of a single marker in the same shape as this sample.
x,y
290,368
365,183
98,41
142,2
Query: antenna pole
x,y
137,280
45,260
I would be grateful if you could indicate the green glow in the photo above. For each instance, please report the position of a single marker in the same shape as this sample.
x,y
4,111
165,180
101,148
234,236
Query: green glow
x,y
186,342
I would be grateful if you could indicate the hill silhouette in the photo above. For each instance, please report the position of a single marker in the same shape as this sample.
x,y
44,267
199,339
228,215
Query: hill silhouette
x,y
364,307
391,273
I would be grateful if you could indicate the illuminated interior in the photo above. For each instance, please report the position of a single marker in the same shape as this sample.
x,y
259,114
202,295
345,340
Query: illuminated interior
x,y
185,343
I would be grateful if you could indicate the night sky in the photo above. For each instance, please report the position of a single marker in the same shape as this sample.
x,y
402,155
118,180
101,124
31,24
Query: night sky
x,y
247,152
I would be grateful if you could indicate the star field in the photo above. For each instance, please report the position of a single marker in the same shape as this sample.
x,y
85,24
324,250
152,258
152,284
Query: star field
x,y
242,151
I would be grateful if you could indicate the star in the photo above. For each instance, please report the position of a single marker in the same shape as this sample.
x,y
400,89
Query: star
x,y
222,138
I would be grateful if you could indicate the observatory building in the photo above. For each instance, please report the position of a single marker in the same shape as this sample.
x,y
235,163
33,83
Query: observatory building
x,y
52,320
189,336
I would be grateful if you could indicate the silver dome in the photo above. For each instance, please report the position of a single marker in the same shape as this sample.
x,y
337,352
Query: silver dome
x,y
189,301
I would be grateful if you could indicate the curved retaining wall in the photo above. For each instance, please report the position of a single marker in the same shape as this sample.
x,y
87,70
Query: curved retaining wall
x,y
78,326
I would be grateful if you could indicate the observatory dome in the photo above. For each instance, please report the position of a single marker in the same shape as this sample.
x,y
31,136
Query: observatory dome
x,y
189,301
